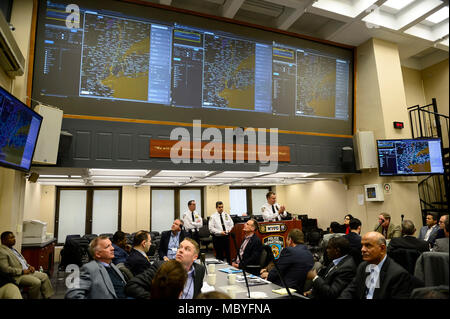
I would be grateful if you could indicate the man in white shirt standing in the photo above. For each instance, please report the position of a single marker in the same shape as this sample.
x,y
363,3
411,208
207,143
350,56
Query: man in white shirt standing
x,y
192,221
271,211
220,225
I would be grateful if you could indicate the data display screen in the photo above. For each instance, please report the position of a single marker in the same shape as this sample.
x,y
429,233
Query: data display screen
x,y
131,60
19,130
410,157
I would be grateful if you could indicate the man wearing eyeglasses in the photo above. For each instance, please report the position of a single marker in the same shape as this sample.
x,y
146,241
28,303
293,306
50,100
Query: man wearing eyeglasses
x,y
387,228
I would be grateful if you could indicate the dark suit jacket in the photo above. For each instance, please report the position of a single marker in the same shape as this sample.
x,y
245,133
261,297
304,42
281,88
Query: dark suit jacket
x,y
395,282
333,283
164,242
252,252
408,242
355,246
294,263
139,287
136,262
432,238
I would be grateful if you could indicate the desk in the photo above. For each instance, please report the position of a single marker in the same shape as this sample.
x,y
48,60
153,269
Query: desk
x,y
40,254
241,289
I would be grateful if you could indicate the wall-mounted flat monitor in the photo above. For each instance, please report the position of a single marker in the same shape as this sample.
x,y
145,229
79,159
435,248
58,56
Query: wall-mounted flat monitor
x,y
19,130
410,157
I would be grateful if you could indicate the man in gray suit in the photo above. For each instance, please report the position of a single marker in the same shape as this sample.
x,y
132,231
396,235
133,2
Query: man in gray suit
x,y
441,244
429,231
99,278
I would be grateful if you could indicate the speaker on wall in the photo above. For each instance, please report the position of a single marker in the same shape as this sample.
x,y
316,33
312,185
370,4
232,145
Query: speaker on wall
x,y
48,141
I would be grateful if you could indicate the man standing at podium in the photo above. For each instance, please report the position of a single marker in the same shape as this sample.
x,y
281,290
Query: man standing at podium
x,y
271,211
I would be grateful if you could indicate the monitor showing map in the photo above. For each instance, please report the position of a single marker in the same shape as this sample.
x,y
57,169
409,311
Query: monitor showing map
x,y
410,157
142,62
19,130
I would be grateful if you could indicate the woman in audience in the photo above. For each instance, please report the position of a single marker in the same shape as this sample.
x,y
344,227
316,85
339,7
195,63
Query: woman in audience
x,y
169,281
347,219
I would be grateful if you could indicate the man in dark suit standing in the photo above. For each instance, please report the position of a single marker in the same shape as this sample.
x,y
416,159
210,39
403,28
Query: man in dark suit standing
x,y
251,247
170,240
378,276
294,263
354,239
339,273
138,260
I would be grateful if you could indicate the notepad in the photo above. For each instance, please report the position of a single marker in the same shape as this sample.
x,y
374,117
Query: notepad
x,y
283,291
230,270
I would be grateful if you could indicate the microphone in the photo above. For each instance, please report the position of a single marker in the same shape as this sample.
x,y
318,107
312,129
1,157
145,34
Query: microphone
x,y
402,217
381,222
202,260
270,254
233,235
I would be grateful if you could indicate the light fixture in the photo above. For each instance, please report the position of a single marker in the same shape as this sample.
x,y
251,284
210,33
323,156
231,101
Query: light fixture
x,y
53,176
439,15
397,4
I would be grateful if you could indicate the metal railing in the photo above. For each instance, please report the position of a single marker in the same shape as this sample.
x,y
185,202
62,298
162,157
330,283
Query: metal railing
x,y
426,122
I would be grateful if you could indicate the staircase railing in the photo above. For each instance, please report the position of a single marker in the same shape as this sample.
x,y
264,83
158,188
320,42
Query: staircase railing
x,y
433,189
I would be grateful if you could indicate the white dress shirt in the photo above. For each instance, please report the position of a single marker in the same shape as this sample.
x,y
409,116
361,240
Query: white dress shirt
x,y
373,280
269,215
215,225
190,224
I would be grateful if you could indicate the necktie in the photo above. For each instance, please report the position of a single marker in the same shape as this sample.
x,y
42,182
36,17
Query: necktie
x,y
221,221
273,210
193,219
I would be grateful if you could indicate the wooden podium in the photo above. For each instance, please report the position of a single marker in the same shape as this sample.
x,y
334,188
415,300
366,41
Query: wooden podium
x,y
270,233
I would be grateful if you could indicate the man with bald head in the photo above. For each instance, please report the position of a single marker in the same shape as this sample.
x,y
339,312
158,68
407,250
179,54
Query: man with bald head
x,y
378,276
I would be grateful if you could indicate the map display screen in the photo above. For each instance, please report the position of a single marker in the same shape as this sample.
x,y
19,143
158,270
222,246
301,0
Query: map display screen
x,y
19,130
410,157
124,60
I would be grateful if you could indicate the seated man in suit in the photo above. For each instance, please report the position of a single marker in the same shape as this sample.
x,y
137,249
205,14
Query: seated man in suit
x,y
138,260
250,249
441,244
99,278
386,227
441,233
339,273
378,276
170,240
140,286
13,264
430,230
121,248
408,241
354,239
294,263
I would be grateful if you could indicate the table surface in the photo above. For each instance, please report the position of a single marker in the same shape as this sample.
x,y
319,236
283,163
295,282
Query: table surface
x,y
240,287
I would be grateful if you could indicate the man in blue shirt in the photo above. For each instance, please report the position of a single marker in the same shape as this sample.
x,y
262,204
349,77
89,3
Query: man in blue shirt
x,y
170,241
121,248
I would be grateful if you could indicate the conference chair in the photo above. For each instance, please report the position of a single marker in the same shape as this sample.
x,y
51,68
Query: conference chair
x,y
432,268
406,258
204,236
264,260
125,271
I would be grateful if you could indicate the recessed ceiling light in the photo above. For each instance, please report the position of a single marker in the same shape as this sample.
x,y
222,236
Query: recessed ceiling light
x,y
439,15
53,176
397,4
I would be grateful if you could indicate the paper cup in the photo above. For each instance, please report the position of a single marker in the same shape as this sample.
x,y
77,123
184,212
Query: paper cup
x,y
211,279
211,268
231,291
231,279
